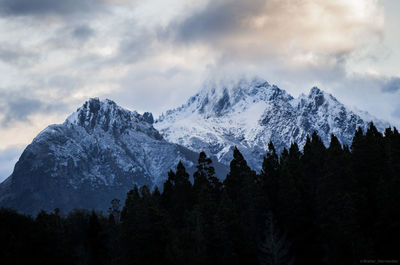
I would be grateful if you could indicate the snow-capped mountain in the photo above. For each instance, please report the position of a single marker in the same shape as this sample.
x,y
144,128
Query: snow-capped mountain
x,y
251,113
99,153
102,150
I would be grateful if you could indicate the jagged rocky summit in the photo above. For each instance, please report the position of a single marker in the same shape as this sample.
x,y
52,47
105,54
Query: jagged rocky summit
x,y
251,113
99,153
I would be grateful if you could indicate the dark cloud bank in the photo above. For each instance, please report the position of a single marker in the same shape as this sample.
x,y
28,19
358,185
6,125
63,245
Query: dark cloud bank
x,y
41,7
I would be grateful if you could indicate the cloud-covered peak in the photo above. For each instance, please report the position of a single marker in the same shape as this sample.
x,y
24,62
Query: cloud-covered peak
x,y
240,89
315,91
222,97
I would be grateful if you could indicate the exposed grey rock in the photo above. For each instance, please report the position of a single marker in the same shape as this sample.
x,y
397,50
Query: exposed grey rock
x,y
99,153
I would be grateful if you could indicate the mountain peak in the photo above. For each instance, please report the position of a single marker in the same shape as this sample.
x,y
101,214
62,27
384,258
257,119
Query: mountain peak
x,y
106,112
90,110
106,115
238,89
99,153
315,91
216,99
317,95
251,113
317,98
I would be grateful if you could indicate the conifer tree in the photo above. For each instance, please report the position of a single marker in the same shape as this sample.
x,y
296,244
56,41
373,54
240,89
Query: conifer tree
x,y
205,170
114,210
230,238
368,158
313,160
206,190
291,209
241,187
96,241
269,177
335,205
275,247
143,228
240,176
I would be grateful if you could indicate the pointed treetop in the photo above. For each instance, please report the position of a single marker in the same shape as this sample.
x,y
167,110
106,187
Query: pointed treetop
x,y
388,132
373,131
203,159
204,164
359,131
358,138
294,148
334,144
156,192
308,139
284,153
271,147
238,162
181,175
180,167
315,137
145,192
238,158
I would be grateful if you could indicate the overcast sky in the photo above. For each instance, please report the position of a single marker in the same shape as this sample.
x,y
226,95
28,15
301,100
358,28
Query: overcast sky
x,y
151,55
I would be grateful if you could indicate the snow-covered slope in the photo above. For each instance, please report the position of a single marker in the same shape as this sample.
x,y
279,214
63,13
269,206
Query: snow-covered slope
x,y
99,153
102,150
250,113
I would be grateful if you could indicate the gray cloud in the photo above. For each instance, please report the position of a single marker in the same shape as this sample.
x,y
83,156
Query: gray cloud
x,y
43,7
14,54
18,109
216,19
136,44
63,83
391,85
16,106
83,32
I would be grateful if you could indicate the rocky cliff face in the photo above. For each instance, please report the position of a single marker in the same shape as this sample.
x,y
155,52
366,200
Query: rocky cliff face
x,y
99,153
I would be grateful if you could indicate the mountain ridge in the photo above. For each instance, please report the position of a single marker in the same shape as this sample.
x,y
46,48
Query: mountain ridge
x,y
251,113
102,150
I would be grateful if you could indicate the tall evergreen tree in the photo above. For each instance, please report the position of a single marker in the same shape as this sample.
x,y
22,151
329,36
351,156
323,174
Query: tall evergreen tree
x,y
143,228
206,190
240,176
177,196
97,241
205,179
241,187
275,247
269,177
231,244
368,158
335,206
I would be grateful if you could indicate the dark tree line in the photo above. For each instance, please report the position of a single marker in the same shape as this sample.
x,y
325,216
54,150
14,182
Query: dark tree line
x,y
325,205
